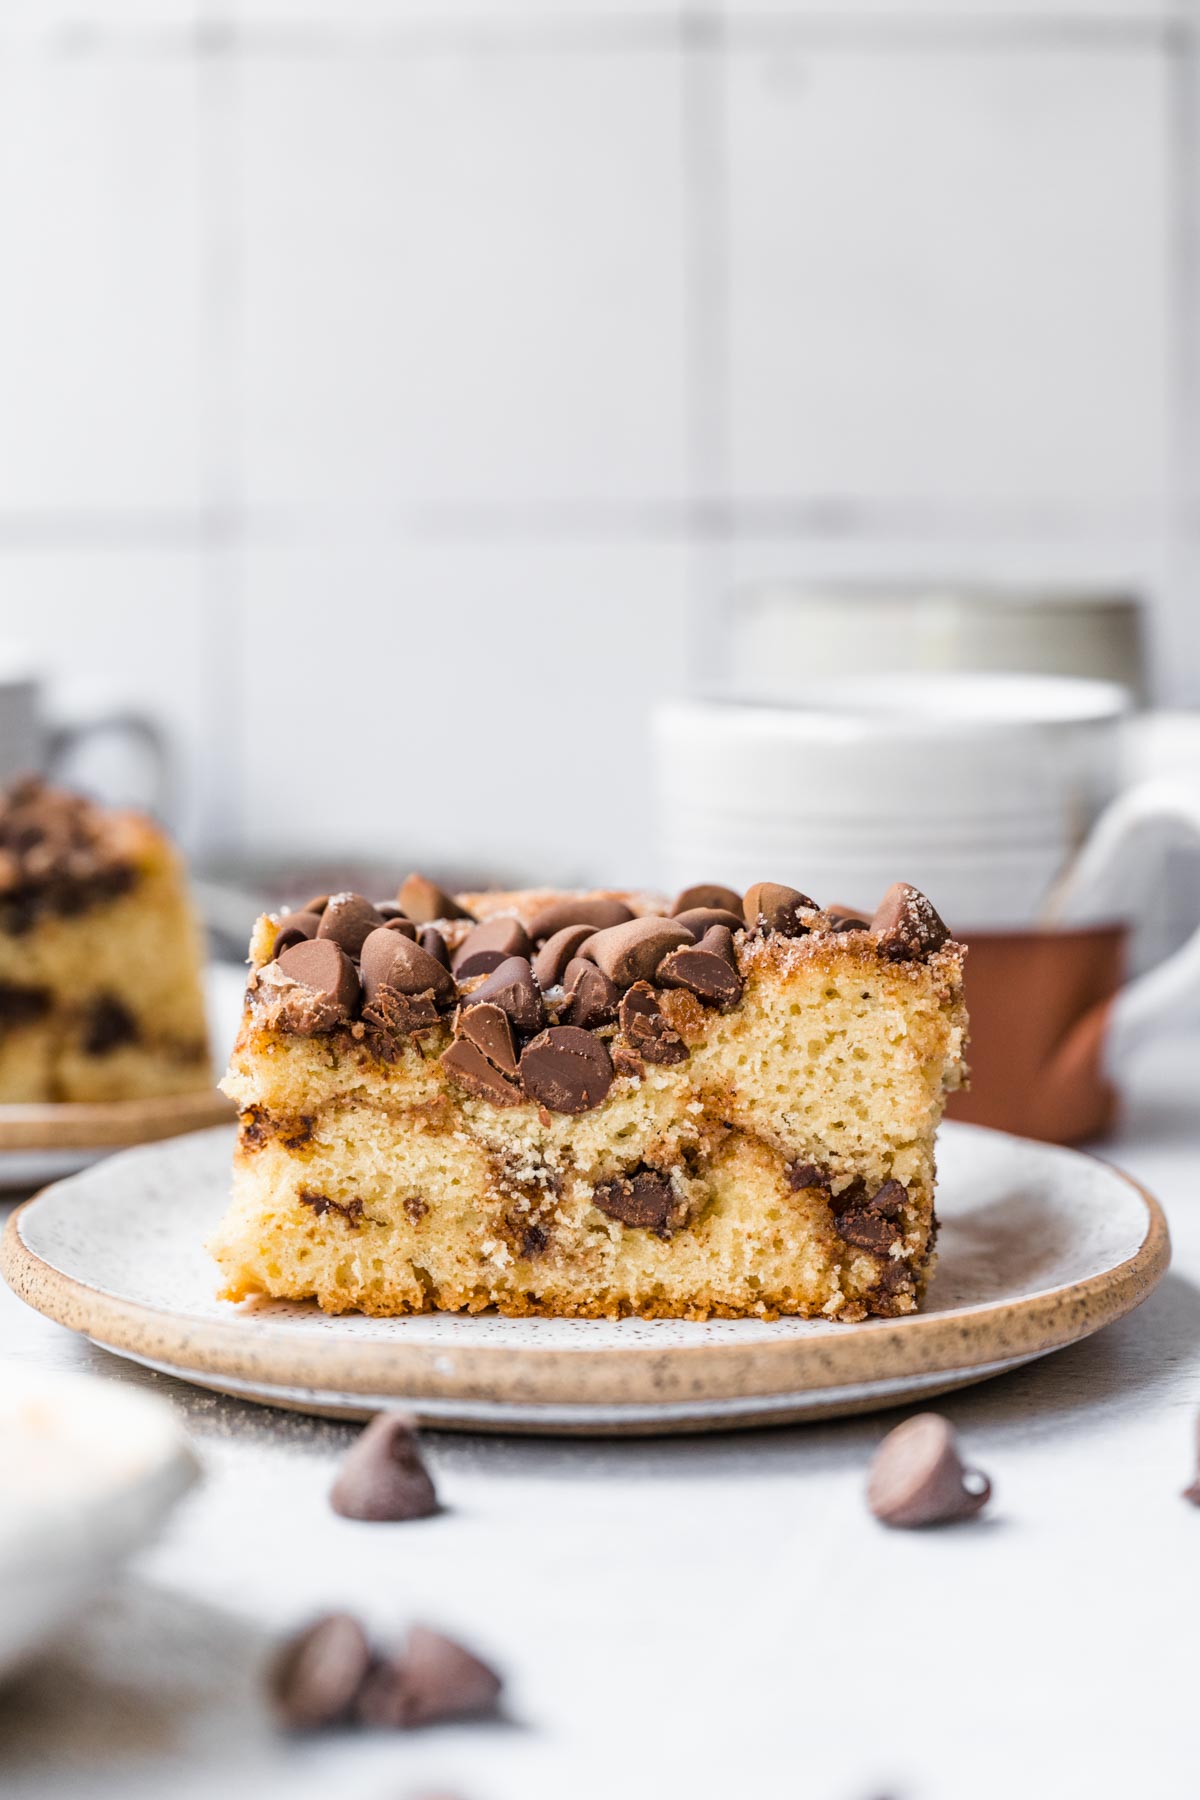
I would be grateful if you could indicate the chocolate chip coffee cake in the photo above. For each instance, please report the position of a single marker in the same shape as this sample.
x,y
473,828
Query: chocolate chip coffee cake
x,y
588,1104
100,995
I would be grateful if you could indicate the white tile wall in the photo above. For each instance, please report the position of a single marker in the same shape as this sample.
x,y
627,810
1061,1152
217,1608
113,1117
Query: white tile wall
x,y
449,362
463,278
937,293
101,288
482,706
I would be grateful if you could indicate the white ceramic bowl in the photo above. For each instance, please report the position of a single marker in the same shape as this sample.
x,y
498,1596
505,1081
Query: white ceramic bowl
x,y
88,1471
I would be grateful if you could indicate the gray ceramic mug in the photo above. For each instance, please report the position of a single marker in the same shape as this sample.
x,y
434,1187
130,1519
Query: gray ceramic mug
x,y
33,742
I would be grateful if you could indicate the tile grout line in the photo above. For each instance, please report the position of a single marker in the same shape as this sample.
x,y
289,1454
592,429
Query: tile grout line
x,y
1179,644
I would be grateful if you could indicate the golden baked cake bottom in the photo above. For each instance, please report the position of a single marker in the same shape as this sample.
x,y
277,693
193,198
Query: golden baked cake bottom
x,y
578,1104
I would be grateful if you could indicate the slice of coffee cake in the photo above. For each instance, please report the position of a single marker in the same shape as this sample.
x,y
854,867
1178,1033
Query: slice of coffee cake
x,y
584,1104
100,992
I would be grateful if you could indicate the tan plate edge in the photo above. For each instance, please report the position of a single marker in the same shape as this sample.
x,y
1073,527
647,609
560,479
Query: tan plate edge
x,y
577,1376
110,1124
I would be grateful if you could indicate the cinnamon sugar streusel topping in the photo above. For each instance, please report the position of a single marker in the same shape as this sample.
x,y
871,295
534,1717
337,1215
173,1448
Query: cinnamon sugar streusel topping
x,y
551,1009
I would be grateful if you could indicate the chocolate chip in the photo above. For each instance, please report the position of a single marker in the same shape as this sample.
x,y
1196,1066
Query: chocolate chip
x,y
917,1477
107,1025
645,1028
472,1070
317,904
295,928
487,945
424,901
325,973
406,928
487,1026
871,1221
803,1175
349,920
318,1674
591,999
566,1069
849,922
645,1200
769,907
577,909
700,919
392,1016
512,987
551,960
709,970
434,944
391,960
383,1477
709,894
633,951
433,1678
388,910
908,928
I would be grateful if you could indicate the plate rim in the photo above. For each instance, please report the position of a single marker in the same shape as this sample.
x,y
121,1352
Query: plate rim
x,y
609,1377
50,1125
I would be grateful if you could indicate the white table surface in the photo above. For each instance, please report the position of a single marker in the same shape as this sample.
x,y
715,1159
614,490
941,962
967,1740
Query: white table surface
x,y
700,1616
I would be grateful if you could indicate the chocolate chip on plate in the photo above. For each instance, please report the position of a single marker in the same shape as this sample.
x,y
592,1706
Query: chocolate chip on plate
x,y
917,1477
349,920
424,901
907,925
318,1674
770,907
549,965
708,969
708,894
391,960
432,1678
323,968
512,988
295,928
633,951
383,1476
566,1069
577,909
591,999
489,944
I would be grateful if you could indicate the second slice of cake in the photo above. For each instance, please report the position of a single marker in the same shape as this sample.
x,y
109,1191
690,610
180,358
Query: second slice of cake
x,y
576,1104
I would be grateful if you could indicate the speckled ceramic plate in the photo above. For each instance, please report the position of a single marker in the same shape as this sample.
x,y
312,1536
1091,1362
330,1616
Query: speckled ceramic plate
x,y
1040,1246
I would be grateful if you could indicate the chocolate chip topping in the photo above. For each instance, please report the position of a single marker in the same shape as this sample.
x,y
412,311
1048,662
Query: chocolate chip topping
x,y
471,1069
424,901
59,855
295,928
917,1477
433,1678
645,1200
566,1069
549,965
317,904
434,944
709,969
646,1031
872,1221
397,922
700,919
383,1476
487,945
769,907
318,1674
512,987
390,960
591,998
849,922
633,951
709,895
580,909
314,987
487,1027
349,920
908,928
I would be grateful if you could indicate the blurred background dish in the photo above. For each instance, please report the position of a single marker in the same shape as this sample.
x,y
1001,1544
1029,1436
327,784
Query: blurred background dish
x,y
90,1471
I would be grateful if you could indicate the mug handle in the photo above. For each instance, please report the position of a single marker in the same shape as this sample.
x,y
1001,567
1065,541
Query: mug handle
x,y
65,738
1143,1006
